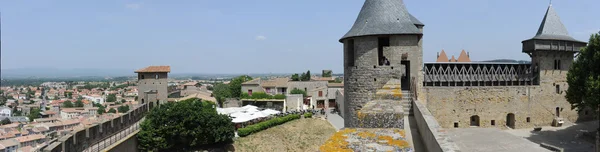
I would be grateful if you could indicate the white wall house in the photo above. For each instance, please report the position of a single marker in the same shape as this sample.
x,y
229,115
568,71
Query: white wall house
x,y
5,112
95,98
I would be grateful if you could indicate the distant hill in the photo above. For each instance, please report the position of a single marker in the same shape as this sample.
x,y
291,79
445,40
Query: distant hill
x,y
508,61
53,73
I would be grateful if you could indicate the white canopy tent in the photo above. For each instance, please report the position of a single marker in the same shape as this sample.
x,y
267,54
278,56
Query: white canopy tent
x,y
246,113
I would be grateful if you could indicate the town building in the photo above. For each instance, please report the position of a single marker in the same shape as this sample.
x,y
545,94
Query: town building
x,y
152,84
5,111
96,98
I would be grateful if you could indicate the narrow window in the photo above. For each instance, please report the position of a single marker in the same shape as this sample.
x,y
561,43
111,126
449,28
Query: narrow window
x,y
320,93
304,89
557,65
557,89
350,53
528,119
455,124
249,92
585,112
493,122
156,76
142,76
383,42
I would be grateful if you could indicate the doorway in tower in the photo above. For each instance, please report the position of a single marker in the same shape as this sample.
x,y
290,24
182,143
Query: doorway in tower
x,y
405,80
510,120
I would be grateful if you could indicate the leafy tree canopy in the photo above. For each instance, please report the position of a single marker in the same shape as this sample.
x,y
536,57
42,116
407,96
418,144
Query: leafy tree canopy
x,y
68,104
298,91
183,126
584,77
111,98
112,110
235,86
78,103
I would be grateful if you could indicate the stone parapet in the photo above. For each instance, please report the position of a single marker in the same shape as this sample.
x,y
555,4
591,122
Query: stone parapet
x,y
434,136
362,139
381,114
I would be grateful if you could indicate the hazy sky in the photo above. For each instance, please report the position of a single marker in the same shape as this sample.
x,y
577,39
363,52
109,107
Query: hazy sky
x,y
256,36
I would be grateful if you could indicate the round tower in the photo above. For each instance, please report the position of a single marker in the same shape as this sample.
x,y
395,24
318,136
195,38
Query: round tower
x,y
384,43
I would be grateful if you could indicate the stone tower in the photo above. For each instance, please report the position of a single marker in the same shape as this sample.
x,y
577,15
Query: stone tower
x,y
552,52
152,84
384,43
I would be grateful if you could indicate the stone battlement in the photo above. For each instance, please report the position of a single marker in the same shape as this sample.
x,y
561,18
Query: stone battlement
x,y
381,114
367,140
79,140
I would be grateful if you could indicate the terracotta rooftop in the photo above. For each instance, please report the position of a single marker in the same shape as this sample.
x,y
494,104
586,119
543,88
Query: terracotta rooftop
x,y
30,137
442,57
464,57
277,82
154,69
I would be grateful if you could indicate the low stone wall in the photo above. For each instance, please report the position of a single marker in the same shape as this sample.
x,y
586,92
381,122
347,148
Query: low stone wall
x,y
79,140
433,135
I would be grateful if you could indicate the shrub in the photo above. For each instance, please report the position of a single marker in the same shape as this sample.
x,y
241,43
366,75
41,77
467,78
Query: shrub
x,y
261,95
184,125
242,132
298,91
307,115
279,96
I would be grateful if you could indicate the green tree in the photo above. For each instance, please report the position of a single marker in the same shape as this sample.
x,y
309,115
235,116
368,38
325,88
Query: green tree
x,y
112,110
295,77
184,126
135,98
78,103
111,98
326,74
298,91
68,104
101,109
221,92
123,101
584,77
235,86
5,121
34,114
123,108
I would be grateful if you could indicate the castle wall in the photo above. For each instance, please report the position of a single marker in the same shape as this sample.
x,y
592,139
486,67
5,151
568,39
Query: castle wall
x,y
362,79
457,104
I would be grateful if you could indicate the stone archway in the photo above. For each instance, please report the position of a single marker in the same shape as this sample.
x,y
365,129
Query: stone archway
x,y
475,121
510,120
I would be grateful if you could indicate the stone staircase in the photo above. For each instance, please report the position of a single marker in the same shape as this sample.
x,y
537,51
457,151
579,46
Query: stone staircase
x,y
392,91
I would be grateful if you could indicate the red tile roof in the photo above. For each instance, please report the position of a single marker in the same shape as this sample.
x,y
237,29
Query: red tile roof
x,y
154,69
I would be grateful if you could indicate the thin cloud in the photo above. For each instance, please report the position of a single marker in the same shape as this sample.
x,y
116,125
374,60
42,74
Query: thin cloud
x,y
260,38
133,6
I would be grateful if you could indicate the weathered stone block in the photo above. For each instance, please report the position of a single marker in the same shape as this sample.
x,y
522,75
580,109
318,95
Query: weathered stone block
x,y
367,140
381,114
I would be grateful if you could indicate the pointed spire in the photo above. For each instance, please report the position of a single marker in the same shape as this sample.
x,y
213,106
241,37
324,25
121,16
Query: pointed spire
x,y
383,17
453,59
442,57
463,57
551,25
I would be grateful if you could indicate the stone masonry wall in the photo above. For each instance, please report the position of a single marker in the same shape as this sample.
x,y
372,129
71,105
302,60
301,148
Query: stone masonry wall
x,y
362,79
79,140
458,104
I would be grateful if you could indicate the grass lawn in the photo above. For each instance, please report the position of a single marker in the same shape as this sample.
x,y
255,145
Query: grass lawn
x,y
298,135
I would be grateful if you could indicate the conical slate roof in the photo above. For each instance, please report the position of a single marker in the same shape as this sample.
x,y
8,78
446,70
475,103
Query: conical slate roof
x,y
552,28
383,17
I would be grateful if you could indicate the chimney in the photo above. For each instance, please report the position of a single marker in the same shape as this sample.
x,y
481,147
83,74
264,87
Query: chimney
x,y
438,55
